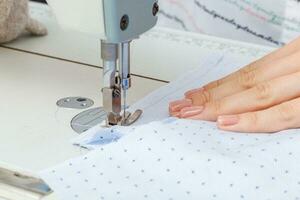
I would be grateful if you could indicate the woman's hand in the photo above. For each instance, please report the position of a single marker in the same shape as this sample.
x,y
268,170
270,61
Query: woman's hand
x,y
261,97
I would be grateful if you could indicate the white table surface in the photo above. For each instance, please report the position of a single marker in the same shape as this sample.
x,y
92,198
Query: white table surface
x,y
36,72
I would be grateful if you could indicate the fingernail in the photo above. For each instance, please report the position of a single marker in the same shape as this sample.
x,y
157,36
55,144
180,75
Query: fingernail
x,y
228,120
191,111
174,103
183,103
177,114
188,94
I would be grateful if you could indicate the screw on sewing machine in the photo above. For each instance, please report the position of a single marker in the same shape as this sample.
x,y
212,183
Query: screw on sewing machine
x,y
124,22
80,99
155,9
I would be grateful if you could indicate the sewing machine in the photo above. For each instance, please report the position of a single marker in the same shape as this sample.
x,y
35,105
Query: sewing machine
x,y
66,62
116,23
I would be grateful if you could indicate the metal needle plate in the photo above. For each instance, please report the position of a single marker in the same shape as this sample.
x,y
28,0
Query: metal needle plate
x,y
75,102
88,119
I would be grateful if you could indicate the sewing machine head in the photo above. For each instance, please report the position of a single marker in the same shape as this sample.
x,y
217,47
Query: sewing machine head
x,y
116,23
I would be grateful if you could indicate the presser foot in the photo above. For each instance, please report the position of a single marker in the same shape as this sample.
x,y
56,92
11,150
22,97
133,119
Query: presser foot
x,y
131,118
126,119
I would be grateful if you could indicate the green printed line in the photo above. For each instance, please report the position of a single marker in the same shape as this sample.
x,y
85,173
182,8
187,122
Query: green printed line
x,y
273,17
268,13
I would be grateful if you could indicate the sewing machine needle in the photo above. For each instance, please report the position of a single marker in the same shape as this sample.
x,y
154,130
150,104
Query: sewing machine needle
x,y
124,104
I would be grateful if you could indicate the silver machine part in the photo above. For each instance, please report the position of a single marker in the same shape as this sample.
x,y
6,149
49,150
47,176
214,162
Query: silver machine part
x,y
131,118
116,81
75,102
112,90
24,182
88,119
124,62
91,117
95,116
124,21
124,53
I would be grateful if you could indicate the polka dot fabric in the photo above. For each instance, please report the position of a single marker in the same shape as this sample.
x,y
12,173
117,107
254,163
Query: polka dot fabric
x,y
181,159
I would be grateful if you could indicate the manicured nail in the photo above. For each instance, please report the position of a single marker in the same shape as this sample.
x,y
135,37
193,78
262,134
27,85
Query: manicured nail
x,y
177,106
228,120
177,114
191,111
188,94
177,102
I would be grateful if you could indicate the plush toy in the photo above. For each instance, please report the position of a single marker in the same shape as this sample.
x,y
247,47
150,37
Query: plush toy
x,y
15,20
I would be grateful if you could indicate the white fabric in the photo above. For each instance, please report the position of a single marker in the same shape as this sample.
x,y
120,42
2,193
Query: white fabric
x,y
179,159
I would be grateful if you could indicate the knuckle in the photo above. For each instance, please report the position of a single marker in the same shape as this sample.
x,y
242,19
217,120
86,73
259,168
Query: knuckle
x,y
247,69
286,112
218,83
246,78
212,85
251,66
205,96
263,91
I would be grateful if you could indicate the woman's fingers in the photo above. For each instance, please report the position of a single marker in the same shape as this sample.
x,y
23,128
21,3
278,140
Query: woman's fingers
x,y
189,94
190,111
261,96
246,79
176,106
277,118
287,50
175,114
194,93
